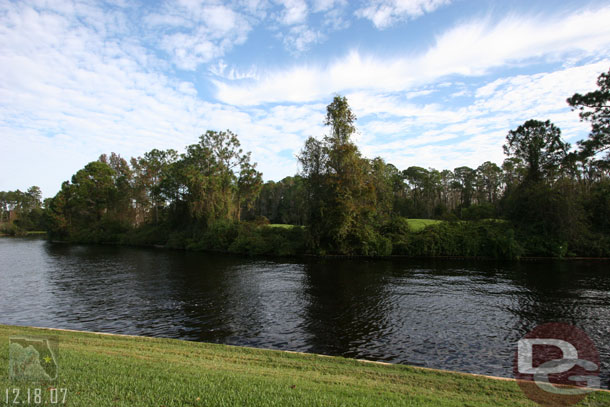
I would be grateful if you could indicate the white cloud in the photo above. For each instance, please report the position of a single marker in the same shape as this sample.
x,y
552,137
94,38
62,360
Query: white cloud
x,y
69,94
300,38
326,5
298,35
71,91
294,12
470,49
198,32
477,131
384,13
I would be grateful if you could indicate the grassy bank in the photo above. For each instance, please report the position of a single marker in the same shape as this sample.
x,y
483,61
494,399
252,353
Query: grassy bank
x,y
21,233
104,370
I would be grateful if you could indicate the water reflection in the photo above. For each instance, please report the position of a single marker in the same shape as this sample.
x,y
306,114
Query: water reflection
x,y
450,315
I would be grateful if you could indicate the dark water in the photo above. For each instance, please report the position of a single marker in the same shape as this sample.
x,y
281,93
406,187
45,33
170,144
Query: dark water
x,y
441,314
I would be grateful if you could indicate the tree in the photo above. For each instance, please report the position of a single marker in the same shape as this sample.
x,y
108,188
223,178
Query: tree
x,y
149,172
341,193
249,184
513,172
465,178
57,216
382,176
489,178
22,209
93,192
121,201
212,180
540,146
594,107
34,197
340,119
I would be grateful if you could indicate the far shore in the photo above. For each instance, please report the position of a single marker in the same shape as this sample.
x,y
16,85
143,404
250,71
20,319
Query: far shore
x,y
355,257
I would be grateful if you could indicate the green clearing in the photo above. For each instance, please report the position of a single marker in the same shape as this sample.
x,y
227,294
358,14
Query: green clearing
x,y
415,224
281,226
418,224
107,370
26,233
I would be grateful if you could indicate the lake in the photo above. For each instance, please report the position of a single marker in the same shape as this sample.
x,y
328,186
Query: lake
x,y
456,315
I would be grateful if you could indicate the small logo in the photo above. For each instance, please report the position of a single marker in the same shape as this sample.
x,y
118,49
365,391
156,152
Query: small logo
x,y
33,359
557,364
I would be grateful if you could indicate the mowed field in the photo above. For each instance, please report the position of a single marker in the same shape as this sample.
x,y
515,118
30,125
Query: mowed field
x,y
414,224
108,370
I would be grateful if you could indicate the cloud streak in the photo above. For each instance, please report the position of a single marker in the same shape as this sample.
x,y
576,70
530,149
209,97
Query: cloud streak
x,y
468,49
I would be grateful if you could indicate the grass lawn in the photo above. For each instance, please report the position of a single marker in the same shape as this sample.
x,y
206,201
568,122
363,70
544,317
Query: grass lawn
x,y
30,233
415,224
104,370
281,225
419,224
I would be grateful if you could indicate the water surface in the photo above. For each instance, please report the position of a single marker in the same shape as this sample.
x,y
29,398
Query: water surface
x,y
442,314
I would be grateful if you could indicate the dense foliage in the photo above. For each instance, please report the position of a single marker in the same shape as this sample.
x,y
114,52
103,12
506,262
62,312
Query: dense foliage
x,y
546,199
21,212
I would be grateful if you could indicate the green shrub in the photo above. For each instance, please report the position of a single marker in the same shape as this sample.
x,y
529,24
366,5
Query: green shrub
x,y
477,239
478,212
219,236
11,229
146,234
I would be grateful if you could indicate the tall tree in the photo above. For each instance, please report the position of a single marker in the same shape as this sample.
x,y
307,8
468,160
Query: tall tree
x,y
93,192
540,146
212,180
594,107
249,183
465,178
149,172
340,188
489,178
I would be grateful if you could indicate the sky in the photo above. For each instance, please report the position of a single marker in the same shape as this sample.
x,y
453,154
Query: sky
x,y
433,83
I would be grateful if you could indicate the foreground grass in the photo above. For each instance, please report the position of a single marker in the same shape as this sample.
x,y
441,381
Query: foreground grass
x,y
103,370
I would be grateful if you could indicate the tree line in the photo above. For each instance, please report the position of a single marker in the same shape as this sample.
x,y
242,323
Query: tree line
x,y
21,211
546,199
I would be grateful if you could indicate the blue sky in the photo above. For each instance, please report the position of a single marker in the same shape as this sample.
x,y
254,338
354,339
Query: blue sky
x,y
434,83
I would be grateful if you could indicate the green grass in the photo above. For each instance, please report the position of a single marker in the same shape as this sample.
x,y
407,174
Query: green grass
x,y
414,224
281,225
104,370
28,233
418,224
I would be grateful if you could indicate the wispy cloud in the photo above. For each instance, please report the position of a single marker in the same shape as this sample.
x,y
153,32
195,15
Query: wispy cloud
x,y
418,133
75,94
469,49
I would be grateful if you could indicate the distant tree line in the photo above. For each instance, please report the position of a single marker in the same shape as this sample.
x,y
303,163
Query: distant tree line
x,y
546,199
21,212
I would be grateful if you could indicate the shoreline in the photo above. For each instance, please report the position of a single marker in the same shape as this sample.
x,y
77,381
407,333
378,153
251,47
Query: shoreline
x,y
345,256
